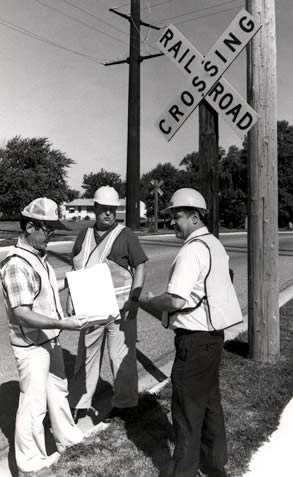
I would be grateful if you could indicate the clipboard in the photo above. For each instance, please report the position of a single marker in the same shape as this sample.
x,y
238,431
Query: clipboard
x,y
93,294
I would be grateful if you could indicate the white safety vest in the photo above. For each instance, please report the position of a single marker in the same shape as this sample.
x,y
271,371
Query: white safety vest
x,y
91,254
46,303
219,300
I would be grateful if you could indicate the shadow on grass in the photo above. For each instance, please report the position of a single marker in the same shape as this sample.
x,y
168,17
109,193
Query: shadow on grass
x,y
237,347
152,431
9,396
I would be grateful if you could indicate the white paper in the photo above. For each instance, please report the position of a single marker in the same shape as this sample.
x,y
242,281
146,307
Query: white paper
x,y
92,292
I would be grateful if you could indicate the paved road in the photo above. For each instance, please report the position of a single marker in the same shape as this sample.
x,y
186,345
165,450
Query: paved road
x,y
153,341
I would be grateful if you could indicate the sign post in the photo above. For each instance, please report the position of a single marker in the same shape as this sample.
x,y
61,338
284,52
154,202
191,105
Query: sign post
x,y
157,190
209,163
263,246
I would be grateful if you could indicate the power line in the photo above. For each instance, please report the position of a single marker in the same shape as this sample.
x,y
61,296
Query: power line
x,y
82,22
143,8
199,18
92,15
207,15
199,10
19,29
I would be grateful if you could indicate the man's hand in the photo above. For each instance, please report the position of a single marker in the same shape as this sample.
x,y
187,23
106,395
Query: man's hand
x,y
129,311
146,297
77,322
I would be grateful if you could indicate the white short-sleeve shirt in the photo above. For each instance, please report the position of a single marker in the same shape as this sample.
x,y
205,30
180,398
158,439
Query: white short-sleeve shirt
x,y
186,280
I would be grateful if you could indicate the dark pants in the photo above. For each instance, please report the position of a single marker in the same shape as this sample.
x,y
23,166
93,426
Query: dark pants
x,y
196,405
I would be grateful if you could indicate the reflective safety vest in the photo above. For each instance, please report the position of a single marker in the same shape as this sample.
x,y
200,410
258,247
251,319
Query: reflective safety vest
x,y
91,254
46,302
219,300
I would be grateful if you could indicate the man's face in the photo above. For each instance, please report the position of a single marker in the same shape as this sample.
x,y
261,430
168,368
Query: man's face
x,y
105,216
39,235
183,223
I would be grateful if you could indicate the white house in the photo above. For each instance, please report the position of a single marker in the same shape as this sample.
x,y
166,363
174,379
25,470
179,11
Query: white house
x,y
80,209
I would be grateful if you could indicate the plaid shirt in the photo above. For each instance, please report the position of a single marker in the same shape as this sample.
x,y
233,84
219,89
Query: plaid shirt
x,y
21,283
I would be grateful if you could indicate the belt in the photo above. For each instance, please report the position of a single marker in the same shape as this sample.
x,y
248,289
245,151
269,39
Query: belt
x,y
183,331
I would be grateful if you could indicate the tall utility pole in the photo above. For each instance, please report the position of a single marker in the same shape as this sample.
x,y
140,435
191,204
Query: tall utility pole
x,y
133,134
263,246
208,163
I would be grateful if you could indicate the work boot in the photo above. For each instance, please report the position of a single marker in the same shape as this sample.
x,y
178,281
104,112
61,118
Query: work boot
x,y
125,413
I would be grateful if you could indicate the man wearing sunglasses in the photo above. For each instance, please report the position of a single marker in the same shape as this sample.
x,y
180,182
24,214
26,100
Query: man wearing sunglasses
x,y
35,317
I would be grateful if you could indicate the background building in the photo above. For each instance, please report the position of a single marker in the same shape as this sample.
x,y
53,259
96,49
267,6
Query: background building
x,y
83,209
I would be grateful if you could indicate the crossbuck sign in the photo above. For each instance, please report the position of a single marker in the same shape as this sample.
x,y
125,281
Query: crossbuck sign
x,y
205,76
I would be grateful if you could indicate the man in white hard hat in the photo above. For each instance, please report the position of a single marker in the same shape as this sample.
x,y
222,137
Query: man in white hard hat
x,y
35,321
200,302
116,245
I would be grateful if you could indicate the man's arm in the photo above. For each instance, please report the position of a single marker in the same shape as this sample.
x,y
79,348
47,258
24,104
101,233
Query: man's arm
x,y
164,302
138,281
25,316
131,306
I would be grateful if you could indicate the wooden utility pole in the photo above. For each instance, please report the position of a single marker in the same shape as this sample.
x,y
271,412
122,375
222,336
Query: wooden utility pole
x,y
133,132
209,163
263,247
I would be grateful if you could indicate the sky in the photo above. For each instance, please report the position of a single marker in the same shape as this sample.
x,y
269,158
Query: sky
x,y
54,82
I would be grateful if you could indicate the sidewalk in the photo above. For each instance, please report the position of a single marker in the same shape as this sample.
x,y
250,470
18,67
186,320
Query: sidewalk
x,y
272,459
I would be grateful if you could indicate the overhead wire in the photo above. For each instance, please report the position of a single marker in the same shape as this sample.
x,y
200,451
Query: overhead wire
x,y
144,40
82,22
202,16
19,29
91,58
93,15
207,15
143,8
226,2
199,10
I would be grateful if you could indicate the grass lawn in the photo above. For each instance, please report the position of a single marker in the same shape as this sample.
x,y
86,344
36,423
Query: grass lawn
x,y
253,396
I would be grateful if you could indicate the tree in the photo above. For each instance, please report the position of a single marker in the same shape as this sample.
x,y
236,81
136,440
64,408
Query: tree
x,y
72,194
233,187
92,181
30,168
285,172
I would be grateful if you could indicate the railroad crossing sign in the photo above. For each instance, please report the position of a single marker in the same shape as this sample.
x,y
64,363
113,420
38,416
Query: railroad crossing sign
x,y
157,186
205,75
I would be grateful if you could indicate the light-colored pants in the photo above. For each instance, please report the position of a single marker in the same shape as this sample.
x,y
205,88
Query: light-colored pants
x,y
42,382
121,343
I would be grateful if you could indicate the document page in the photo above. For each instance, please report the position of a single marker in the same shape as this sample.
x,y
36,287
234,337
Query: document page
x,y
92,292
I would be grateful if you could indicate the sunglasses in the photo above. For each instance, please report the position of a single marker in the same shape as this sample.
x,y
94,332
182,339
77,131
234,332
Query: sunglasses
x,y
48,231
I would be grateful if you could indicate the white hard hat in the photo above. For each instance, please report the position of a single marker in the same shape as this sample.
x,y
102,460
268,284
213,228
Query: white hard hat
x,y
107,195
187,197
45,210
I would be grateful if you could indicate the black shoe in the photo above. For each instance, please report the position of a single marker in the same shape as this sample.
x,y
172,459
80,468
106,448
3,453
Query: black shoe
x,y
78,413
125,413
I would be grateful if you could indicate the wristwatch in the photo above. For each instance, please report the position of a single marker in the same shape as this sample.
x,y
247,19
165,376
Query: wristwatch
x,y
134,299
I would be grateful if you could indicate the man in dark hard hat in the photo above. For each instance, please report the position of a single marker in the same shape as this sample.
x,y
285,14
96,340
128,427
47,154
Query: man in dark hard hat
x,y
200,302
